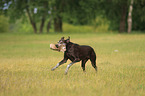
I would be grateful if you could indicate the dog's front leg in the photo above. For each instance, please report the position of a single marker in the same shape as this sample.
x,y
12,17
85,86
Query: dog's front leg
x,y
58,64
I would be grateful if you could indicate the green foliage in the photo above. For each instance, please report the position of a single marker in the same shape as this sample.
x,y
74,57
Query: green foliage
x,y
20,27
4,24
113,9
139,15
76,12
17,9
101,24
26,62
80,11
69,28
26,28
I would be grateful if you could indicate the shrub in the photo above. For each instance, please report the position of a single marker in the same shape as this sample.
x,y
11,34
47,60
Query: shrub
x,y
4,24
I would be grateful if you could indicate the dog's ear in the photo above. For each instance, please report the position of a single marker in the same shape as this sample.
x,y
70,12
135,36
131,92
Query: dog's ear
x,y
62,38
68,40
68,37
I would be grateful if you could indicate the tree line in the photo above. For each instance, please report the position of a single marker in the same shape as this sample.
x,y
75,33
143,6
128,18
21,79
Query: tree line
x,y
124,15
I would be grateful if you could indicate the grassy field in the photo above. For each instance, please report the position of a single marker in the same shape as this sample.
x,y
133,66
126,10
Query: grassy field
x,y
26,62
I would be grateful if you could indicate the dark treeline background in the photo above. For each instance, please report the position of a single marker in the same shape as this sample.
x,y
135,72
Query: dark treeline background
x,y
41,16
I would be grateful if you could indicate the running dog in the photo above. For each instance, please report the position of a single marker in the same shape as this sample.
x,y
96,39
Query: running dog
x,y
75,53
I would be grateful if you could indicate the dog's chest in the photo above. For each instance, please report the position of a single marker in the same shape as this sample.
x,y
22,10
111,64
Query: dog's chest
x,y
70,56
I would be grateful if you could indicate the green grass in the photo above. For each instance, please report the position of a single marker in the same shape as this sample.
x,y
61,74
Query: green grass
x,y
26,62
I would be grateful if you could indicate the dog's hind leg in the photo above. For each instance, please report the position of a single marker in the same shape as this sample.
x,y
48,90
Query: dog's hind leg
x,y
83,64
93,59
93,62
68,66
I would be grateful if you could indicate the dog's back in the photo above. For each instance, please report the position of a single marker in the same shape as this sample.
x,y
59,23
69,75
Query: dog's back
x,y
86,52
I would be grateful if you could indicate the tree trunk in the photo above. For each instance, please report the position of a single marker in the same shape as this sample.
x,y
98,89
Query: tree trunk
x,y
31,21
58,24
42,25
45,5
130,17
122,27
34,27
49,25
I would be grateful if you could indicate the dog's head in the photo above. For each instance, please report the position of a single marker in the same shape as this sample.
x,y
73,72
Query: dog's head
x,y
61,45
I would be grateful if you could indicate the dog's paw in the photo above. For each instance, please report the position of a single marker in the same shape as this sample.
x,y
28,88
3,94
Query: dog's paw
x,y
65,73
52,69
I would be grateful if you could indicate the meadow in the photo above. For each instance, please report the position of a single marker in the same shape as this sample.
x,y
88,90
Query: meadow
x,y
26,61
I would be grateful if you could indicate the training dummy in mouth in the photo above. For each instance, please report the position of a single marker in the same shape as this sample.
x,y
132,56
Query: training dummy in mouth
x,y
55,47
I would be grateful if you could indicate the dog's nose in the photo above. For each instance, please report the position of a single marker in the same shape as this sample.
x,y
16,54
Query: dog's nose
x,y
56,45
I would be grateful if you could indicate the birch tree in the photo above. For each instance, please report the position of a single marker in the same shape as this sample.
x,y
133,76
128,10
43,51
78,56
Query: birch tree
x,y
130,17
